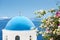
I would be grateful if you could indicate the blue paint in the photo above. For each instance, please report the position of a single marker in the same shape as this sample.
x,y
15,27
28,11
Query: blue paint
x,y
19,23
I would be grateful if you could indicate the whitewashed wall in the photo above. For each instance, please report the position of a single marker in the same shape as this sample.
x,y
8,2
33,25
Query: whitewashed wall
x,y
24,35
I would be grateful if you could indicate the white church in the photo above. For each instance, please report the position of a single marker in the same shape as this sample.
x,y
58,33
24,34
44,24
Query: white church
x,y
19,28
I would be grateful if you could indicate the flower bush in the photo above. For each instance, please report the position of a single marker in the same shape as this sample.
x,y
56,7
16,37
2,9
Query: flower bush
x,y
50,27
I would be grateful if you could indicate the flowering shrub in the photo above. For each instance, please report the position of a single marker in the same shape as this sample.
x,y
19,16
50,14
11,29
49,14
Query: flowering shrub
x,y
50,27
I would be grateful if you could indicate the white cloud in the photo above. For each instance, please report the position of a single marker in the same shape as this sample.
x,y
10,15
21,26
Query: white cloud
x,y
5,17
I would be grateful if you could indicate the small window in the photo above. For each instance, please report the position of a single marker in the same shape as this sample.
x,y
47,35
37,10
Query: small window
x,y
6,37
30,37
17,38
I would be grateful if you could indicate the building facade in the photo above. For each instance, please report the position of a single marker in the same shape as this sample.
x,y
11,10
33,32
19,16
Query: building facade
x,y
19,28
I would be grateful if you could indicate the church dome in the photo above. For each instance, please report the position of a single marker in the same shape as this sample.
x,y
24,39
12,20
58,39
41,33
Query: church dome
x,y
19,23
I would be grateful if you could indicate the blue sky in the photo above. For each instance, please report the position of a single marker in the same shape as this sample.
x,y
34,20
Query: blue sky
x,y
12,8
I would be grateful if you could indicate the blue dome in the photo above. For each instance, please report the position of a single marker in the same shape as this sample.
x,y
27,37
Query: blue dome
x,y
19,23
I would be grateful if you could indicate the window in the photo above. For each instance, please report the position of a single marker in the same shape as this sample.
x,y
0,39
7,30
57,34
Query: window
x,y
17,38
6,37
30,37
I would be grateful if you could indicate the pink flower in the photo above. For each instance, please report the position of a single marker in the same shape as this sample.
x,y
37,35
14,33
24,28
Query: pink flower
x,y
59,25
47,30
58,14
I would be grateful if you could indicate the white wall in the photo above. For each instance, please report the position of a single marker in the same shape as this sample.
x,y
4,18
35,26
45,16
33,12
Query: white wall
x,y
24,35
